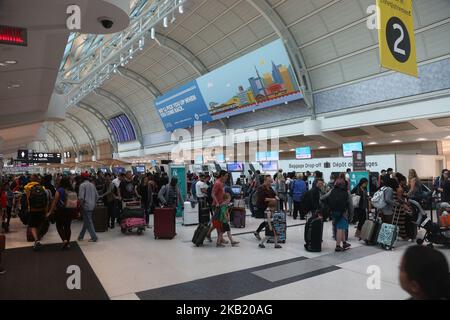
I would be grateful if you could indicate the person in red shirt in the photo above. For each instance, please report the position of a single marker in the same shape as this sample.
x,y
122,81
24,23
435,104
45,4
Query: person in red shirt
x,y
218,192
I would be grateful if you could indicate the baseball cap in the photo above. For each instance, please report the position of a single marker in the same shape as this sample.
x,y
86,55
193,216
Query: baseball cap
x,y
85,175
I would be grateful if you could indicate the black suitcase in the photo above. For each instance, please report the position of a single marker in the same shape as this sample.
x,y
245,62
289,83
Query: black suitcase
x,y
313,234
100,218
200,234
203,212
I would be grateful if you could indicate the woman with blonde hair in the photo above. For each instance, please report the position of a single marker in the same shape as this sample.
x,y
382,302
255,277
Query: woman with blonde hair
x,y
414,185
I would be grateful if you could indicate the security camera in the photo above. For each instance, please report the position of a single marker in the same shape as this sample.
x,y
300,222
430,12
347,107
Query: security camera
x,y
107,23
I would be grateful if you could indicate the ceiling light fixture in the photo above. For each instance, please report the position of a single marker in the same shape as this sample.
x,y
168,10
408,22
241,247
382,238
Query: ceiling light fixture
x,y
2,65
322,147
396,141
181,9
373,143
166,22
10,61
422,139
152,33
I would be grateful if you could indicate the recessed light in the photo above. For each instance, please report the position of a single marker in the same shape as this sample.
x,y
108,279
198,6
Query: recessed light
x,y
422,139
281,150
10,61
2,64
396,141
322,147
292,150
372,143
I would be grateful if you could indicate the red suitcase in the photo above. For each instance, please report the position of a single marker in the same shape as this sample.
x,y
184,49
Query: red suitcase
x,y
164,223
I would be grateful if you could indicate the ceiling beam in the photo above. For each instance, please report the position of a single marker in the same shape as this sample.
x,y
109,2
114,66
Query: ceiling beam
x,y
139,79
183,52
280,27
69,133
92,110
86,129
56,139
125,109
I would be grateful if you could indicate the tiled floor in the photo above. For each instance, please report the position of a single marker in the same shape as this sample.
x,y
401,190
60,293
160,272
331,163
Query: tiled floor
x,y
128,265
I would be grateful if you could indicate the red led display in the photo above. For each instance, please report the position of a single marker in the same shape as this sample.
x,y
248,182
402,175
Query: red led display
x,y
13,35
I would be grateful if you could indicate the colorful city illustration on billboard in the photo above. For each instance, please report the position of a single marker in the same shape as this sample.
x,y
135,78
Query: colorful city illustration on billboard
x,y
260,79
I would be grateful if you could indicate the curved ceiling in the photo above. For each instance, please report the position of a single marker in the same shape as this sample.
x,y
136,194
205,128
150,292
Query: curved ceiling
x,y
330,35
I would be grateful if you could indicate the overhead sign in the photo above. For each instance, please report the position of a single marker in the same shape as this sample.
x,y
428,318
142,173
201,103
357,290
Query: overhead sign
x,y
257,80
396,36
22,154
359,161
329,165
303,153
46,157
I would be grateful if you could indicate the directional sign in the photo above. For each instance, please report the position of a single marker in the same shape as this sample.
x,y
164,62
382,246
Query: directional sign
x,y
44,157
396,34
22,154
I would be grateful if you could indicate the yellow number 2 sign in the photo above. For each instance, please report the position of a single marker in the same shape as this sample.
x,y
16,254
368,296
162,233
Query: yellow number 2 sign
x,y
396,34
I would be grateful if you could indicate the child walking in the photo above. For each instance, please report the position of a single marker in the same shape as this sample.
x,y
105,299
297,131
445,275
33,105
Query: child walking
x,y
270,230
225,219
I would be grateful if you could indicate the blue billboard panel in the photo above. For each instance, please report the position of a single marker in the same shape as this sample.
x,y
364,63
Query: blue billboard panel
x,y
181,107
257,80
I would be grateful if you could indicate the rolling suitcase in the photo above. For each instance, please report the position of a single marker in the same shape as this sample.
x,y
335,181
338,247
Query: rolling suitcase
x,y
100,218
190,213
238,217
164,223
279,223
203,211
200,234
388,234
369,231
314,234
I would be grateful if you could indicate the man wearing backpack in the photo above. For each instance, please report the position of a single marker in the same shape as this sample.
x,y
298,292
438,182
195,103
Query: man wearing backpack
x,y
37,201
338,200
298,189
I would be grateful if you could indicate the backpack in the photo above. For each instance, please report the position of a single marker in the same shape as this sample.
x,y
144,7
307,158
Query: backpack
x,y
307,201
70,200
37,199
379,199
282,186
338,200
194,189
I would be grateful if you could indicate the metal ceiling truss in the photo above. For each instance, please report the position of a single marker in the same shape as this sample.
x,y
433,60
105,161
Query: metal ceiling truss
x,y
136,77
56,139
103,120
92,70
125,109
181,51
72,138
277,23
86,129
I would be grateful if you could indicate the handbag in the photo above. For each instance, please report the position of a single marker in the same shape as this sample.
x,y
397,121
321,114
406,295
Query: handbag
x,y
355,200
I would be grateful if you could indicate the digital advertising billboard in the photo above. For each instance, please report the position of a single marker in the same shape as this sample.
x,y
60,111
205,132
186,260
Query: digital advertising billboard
x,y
257,80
